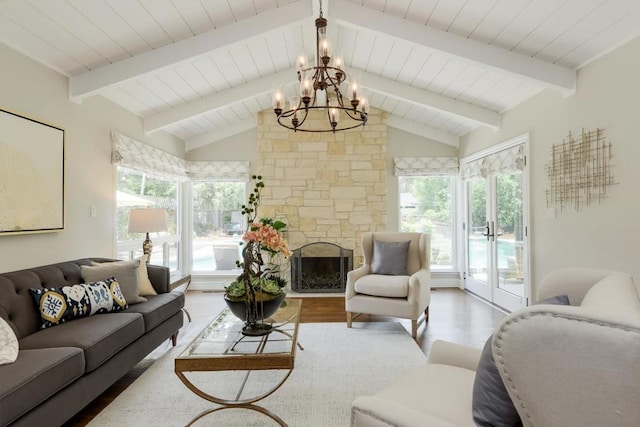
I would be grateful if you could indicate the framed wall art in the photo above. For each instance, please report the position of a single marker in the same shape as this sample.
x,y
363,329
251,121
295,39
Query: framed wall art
x,y
31,175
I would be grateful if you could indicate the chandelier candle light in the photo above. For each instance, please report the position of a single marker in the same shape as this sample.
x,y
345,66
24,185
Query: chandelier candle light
x,y
322,78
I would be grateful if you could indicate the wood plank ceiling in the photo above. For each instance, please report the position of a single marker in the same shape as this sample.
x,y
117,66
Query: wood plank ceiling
x,y
202,69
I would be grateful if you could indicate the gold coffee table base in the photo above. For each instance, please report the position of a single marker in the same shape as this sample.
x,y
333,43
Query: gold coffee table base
x,y
236,403
222,347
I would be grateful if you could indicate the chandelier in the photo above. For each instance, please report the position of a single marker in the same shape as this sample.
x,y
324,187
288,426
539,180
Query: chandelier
x,y
320,90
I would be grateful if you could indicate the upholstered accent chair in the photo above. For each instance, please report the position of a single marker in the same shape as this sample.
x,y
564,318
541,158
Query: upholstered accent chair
x,y
394,279
574,365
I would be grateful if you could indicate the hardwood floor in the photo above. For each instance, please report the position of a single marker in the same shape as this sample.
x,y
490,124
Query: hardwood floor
x,y
453,316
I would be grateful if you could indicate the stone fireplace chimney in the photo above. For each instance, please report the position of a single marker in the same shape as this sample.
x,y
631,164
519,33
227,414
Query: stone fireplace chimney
x,y
327,187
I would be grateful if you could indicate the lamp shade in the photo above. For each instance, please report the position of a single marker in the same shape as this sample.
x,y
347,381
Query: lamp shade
x,y
149,220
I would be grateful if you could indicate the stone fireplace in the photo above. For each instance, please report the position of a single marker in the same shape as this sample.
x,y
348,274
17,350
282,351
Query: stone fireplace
x,y
320,267
327,187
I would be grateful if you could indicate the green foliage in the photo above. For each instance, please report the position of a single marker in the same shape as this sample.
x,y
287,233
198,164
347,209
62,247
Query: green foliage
x,y
277,225
217,196
280,281
509,195
478,202
251,208
155,191
509,202
143,184
263,287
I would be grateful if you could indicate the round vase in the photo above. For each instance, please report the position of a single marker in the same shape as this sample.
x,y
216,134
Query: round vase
x,y
254,321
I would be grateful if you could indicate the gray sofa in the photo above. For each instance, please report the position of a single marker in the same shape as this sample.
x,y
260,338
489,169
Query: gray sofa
x,y
61,369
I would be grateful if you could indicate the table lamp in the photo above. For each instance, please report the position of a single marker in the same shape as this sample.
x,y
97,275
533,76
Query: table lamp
x,y
147,220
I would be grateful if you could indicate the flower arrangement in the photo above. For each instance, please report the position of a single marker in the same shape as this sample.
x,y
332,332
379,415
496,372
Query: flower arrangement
x,y
259,280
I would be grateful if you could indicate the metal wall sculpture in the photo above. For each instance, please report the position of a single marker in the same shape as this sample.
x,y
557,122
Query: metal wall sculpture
x,y
580,170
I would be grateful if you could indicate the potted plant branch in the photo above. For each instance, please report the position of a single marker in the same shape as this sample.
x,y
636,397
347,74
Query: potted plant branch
x,y
258,291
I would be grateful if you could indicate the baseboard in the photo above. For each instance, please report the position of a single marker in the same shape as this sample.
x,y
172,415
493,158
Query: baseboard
x,y
446,280
211,284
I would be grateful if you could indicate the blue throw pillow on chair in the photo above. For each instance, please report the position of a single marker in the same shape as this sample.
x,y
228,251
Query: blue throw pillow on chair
x,y
390,258
492,406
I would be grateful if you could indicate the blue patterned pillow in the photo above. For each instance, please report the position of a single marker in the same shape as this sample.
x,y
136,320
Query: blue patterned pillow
x,y
60,305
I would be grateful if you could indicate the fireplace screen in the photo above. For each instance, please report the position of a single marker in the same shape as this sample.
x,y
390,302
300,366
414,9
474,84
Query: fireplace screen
x,y
320,267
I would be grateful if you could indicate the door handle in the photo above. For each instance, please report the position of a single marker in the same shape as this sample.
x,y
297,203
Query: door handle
x,y
488,234
493,231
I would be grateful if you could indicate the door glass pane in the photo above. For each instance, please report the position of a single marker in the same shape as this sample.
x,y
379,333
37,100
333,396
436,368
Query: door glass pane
x,y
478,244
426,206
510,233
218,226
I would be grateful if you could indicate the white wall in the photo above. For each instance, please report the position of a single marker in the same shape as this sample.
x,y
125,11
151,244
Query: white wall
x,y
28,88
240,147
605,235
404,144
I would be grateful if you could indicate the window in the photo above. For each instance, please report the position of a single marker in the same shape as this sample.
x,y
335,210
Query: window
x,y
427,205
137,189
218,225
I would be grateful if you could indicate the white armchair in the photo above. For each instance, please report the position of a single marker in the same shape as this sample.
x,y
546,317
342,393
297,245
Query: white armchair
x,y
570,366
398,295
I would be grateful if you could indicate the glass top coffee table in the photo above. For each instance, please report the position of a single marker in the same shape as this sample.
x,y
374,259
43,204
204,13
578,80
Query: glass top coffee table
x,y
222,347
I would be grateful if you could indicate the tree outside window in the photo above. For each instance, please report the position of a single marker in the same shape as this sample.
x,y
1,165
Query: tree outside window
x,y
217,225
137,189
426,205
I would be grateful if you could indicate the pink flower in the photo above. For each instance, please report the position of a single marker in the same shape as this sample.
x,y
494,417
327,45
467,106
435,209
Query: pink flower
x,y
268,237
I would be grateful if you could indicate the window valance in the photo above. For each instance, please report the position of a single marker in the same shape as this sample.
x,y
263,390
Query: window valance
x,y
425,166
227,171
134,154
506,161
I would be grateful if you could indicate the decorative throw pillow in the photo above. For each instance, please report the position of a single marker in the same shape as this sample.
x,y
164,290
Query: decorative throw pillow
x,y
125,271
146,288
390,258
60,305
8,343
491,404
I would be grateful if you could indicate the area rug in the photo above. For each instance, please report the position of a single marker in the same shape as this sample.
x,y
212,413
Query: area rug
x,y
337,365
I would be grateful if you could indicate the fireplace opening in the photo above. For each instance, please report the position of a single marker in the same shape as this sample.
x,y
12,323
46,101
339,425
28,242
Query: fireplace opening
x,y
320,267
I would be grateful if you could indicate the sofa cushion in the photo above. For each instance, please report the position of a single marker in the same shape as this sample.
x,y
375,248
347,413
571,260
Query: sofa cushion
x,y
158,308
60,305
146,288
383,286
36,375
8,343
100,337
614,296
492,405
390,257
144,284
125,271
442,391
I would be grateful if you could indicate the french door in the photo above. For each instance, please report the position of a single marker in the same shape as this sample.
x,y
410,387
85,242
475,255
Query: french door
x,y
497,231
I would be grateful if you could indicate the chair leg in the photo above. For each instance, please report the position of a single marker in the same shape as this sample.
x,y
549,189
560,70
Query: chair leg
x,y
174,338
426,314
349,318
414,329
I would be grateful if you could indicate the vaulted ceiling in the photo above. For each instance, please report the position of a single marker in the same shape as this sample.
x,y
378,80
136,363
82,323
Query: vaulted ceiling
x,y
202,69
